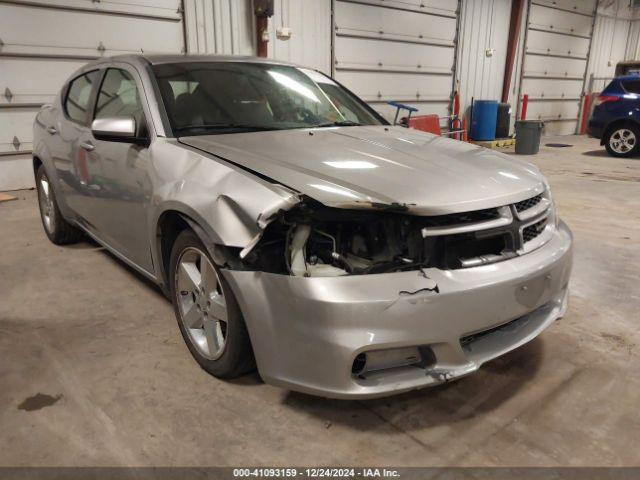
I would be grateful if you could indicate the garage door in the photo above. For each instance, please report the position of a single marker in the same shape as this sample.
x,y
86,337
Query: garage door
x,y
558,41
401,50
42,42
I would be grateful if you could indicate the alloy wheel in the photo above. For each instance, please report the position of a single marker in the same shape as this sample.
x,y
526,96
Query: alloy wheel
x,y
622,141
201,303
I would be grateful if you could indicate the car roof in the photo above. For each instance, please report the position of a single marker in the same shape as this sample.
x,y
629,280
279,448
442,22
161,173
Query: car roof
x,y
158,59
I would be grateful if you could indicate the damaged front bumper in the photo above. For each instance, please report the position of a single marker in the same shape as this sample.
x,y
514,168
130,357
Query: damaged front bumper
x,y
308,332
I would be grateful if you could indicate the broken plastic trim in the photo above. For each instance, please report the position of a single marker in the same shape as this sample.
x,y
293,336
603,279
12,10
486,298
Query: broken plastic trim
x,y
312,240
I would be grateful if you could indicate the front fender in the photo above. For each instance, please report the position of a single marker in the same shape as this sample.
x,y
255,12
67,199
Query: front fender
x,y
229,204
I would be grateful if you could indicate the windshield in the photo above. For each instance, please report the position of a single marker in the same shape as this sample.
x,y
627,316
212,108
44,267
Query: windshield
x,y
202,98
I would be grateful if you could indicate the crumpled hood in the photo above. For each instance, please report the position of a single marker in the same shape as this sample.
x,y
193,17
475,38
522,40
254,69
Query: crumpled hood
x,y
355,167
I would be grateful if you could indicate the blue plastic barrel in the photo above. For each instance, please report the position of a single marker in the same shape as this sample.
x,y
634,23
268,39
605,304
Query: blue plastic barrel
x,y
484,119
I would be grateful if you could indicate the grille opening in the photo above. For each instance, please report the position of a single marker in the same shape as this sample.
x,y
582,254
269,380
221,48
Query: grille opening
x,y
468,340
376,361
464,218
528,203
456,248
532,231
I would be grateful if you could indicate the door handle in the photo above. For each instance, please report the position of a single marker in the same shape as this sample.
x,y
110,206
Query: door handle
x,y
87,146
52,130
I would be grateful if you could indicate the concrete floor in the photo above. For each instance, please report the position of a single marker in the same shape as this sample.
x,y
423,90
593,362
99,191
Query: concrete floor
x,y
118,386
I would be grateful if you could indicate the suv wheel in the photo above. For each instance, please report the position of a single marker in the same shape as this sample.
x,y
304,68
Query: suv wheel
x,y
208,314
623,141
55,226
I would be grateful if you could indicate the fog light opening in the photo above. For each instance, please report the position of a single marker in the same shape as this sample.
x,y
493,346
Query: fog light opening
x,y
359,364
376,361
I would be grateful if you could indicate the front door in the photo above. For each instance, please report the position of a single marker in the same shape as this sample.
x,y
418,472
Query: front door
x,y
120,183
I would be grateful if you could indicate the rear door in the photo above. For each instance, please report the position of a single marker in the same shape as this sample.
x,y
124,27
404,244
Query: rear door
x,y
72,124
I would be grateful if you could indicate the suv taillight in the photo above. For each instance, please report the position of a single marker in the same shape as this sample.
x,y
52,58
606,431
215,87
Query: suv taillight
x,y
604,99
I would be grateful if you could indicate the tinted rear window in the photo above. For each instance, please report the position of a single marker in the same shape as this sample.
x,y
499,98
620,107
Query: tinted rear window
x,y
631,86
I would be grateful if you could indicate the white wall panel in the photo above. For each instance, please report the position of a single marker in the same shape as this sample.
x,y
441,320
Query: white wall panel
x,y
543,66
557,111
34,80
397,50
43,42
552,88
49,31
435,7
16,123
160,9
367,54
549,18
16,172
484,25
391,23
375,86
558,42
310,42
575,6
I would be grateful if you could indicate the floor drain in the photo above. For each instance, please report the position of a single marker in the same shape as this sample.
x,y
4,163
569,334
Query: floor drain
x,y
557,145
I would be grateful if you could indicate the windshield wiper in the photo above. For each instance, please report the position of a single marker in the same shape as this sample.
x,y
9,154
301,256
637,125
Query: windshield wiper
x,y
227,126
338,123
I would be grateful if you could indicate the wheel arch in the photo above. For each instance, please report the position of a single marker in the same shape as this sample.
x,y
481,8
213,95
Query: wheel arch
x,y
36,163
170,223
615,124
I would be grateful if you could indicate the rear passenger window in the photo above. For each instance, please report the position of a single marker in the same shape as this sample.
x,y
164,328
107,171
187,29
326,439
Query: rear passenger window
x,y
77,102
632,86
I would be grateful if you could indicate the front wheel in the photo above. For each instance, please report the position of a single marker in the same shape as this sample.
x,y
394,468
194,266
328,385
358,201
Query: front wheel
x,y
623,141
207,312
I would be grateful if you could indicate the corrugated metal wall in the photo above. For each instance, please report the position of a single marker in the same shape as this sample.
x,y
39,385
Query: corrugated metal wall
x,y
224,27
633,43
227,27
614,39
484,32
43,42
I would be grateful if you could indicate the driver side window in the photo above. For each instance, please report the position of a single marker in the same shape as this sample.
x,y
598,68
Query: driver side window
x,y
119,97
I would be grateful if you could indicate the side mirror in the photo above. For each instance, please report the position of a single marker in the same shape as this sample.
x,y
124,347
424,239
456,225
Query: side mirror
x,y
115,129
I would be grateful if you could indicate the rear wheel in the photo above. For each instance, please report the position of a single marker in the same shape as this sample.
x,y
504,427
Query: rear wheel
x,y
55,226
207,312
623,141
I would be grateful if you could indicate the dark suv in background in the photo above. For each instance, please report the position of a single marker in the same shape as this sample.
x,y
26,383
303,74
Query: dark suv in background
x,y
616,116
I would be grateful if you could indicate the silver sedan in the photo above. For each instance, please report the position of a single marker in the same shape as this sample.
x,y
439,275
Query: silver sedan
x,y
294,229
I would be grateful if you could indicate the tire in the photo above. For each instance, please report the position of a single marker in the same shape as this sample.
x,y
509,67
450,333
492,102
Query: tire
x,y
55,226
201,299
623,140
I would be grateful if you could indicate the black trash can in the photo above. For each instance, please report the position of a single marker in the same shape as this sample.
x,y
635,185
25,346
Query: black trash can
x,y
528,133
504,120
